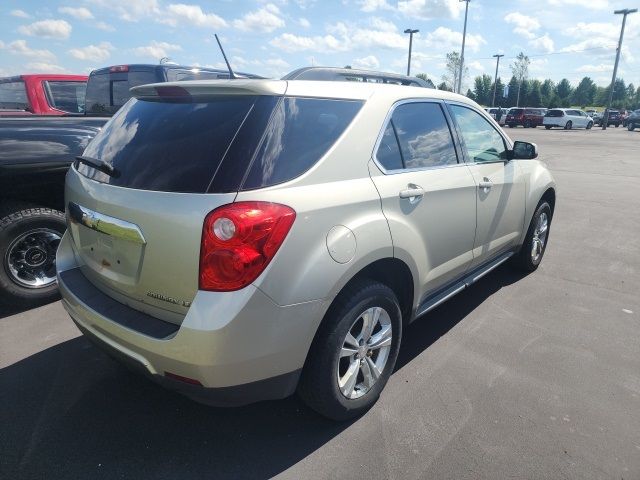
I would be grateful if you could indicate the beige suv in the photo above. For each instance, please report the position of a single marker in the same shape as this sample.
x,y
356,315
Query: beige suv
x,y
242,240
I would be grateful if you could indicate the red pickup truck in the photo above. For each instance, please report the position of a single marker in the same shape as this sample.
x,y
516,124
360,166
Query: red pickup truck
x,y
42,95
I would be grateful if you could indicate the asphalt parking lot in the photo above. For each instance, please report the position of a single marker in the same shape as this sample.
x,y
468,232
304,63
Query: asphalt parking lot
x,y
532,376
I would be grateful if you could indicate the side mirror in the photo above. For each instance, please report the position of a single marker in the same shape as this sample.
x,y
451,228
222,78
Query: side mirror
x,y
524,151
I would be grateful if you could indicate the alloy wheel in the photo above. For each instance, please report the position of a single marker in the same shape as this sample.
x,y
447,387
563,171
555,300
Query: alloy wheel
x,y
539,237
364,353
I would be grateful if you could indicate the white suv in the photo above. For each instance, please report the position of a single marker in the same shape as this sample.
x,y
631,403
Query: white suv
x,y
240,240
567,118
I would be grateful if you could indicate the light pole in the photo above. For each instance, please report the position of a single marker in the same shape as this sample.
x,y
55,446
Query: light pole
x,y
464,37
410,32
624,12
495,78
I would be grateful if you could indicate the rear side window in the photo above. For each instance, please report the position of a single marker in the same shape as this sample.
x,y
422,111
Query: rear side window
x,y
516,111
388,153
66,96
107,92
423,137
555,113
300,132
171,147
13,96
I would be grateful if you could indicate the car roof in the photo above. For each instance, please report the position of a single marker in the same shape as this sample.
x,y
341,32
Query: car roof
x,y
306,88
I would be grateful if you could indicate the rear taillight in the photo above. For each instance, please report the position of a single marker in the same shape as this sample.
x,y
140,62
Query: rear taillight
x,y
238,242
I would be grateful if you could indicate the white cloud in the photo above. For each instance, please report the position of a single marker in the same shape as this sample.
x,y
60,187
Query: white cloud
x,y
20,47
383,25
373,5
544,43
265,20
181,13
475,65
105,27
277,63
45,67
130,10
590,4
587,30
370,62
81,13
156,50
524,25
20,14
443,38
600,68
94,53
59,29
429,9
290,43
303,22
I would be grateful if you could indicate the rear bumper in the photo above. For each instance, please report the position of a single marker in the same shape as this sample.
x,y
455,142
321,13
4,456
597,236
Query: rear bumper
x,y
240,346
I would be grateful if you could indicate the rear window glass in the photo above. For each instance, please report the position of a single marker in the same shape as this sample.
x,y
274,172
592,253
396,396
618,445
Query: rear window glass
x,y
13,96
172,147
66,96
300,132
555,113
107,92
177,74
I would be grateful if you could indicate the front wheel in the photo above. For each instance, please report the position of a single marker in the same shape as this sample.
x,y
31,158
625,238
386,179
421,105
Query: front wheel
x,y
354,352
568,125
527,124
617,125
511,125
548,127
535,243
29,238
631,126
589,125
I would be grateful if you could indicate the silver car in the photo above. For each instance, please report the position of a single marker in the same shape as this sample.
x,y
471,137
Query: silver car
x,y
242,240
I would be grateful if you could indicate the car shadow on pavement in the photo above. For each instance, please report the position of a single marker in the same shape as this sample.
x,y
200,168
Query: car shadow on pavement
x,y
71,412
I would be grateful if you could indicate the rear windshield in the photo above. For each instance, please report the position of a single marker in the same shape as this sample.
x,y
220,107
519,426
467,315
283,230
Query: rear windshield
x,y
13,96
212,144
555,113
66,96
107,92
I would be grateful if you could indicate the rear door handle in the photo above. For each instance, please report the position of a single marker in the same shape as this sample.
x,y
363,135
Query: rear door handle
x,y
413,193
485,184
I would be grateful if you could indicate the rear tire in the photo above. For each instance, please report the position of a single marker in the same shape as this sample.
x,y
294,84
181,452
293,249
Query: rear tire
x,y
29,237
525,259
617,125
589,125
329,361
631,126
527,124
548,127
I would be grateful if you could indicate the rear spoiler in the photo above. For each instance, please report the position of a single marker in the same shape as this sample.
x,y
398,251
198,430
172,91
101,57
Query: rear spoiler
x,y
195,88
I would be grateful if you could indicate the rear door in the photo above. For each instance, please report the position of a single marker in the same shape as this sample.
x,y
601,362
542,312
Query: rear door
x,y
428,195
137,233
500,193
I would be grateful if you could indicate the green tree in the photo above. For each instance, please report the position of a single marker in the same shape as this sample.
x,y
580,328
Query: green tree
x,y
499,87
482,89
520,70
512,95
535,93
546,90
471,95
585,92
563,91
444,86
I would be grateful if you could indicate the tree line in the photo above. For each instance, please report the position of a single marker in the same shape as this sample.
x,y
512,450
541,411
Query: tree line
x,y
524,92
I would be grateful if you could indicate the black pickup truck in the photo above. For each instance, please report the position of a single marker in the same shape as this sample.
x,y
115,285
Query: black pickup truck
x,y
35,154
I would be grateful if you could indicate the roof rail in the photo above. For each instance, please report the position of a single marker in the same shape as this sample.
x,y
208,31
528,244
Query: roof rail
x,y
334,74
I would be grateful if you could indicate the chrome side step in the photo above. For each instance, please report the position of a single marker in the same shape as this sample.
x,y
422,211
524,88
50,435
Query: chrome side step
x,y
433,301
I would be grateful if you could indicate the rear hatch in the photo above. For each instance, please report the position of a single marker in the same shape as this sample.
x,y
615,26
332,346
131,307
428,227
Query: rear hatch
x,y
177,153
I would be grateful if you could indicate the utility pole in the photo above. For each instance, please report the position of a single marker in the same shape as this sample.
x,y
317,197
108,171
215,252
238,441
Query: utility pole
x,y
410,32
464,37
624,12
495,78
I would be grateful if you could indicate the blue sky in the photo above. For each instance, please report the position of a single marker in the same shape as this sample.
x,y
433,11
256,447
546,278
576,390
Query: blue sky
x,y
564,38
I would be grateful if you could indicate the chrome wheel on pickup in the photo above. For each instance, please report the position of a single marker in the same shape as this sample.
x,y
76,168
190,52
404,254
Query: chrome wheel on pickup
x,y
31,258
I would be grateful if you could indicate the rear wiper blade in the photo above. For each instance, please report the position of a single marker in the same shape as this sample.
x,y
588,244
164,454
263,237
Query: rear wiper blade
x,y
100,165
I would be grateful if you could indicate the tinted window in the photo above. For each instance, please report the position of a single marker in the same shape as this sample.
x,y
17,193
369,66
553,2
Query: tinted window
x,y
388,153
173,147
13,96
516,111
300,132
66,96
482,141
424,136
555,113
107,92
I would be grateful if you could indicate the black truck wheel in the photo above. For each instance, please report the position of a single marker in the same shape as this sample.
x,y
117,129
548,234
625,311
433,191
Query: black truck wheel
x,y
29,238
